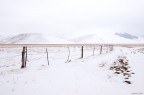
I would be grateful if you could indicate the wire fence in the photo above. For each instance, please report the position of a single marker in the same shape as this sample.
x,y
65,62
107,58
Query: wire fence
x,y
14,55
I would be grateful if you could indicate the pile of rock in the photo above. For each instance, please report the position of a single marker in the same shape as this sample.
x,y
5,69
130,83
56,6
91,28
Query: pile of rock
x,y
121,66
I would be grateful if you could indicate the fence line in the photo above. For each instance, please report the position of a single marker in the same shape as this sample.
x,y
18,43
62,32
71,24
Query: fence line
x,y
68,51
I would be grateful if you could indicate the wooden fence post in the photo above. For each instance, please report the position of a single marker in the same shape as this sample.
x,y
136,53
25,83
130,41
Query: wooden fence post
x,y
47,56
101,50
82,52
24,57
68,55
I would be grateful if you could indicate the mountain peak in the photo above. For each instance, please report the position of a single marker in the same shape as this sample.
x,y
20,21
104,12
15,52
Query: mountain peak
x,y
126,35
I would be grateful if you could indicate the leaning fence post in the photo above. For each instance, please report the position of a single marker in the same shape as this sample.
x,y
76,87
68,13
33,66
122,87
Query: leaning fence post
x,y
47,56
68,55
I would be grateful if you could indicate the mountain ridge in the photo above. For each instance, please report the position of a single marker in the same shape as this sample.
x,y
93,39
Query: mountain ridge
x,y
95,38
33,38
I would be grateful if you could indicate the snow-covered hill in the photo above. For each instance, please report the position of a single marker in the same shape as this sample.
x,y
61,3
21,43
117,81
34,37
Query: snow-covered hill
x,y
106,38
33,38
99,37
89,39
2,37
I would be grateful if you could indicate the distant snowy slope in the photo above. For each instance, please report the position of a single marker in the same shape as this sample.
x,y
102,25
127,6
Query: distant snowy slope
x,y
94,38
105,38
2,37
88,39
33,38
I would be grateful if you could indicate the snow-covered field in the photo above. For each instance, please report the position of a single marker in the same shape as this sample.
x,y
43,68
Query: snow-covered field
x,y
90,75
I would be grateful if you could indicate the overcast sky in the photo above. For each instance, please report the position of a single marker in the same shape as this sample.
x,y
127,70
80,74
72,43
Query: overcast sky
x,y
71,16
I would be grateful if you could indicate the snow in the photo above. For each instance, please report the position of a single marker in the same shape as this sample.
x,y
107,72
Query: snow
x,y
111,38
78,77
33,38
94,38
2,37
